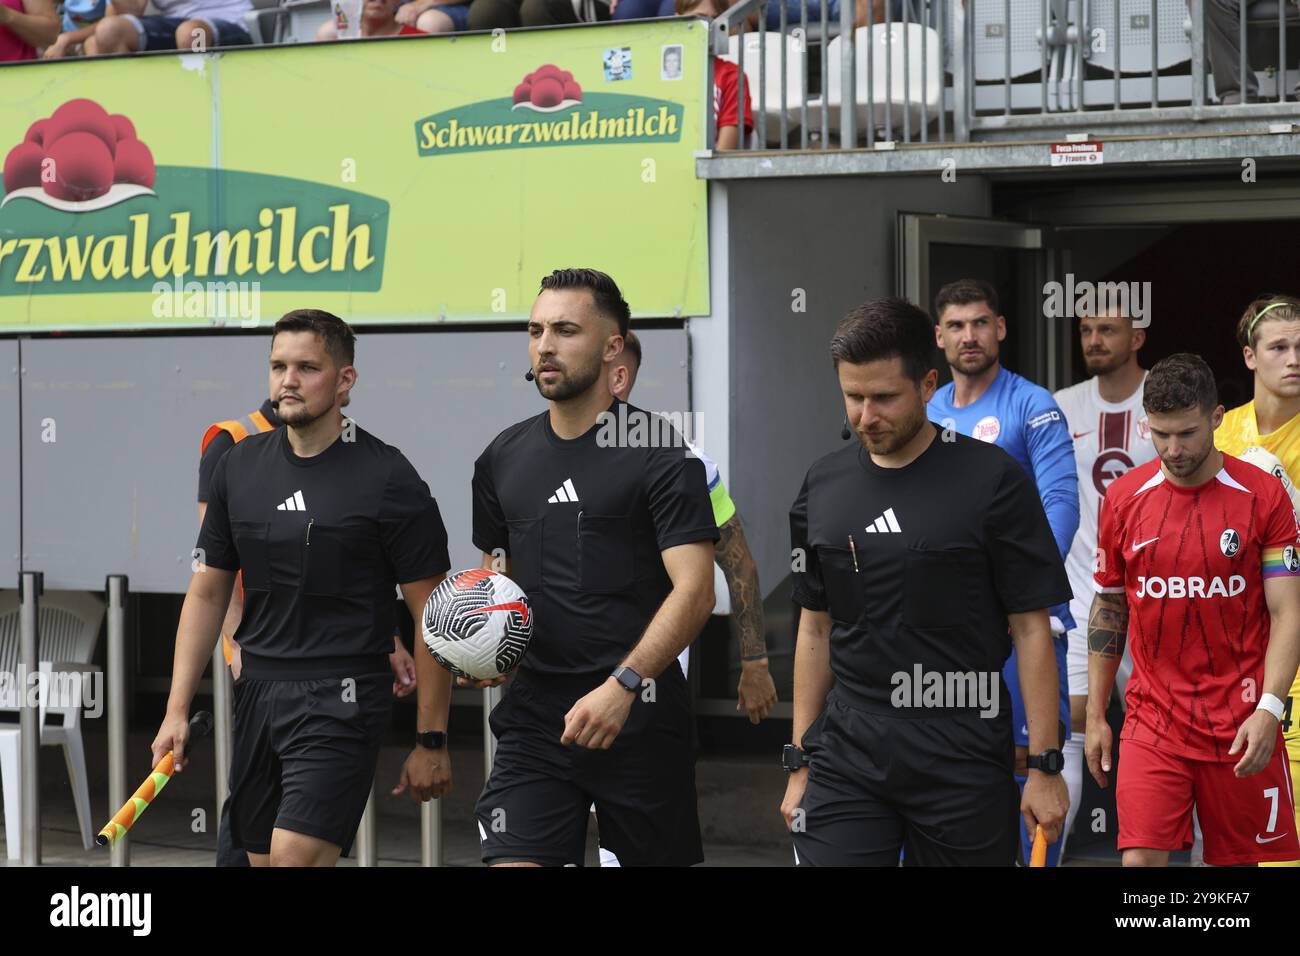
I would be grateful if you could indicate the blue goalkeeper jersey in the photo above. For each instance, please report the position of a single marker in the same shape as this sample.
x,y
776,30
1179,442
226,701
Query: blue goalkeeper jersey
x,y
1024,420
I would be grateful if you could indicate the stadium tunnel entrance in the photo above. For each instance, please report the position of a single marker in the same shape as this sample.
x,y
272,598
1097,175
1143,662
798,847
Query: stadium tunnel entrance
x,y
1198,245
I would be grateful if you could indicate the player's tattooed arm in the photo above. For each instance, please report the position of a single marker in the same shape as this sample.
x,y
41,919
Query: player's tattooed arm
x,y
756,692
737,563
1108,625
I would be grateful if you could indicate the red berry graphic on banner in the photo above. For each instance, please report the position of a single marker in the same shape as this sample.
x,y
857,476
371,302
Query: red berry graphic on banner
x,y
80,154
83,167
133,164
547,88
547,91
125,128
80,116
23,166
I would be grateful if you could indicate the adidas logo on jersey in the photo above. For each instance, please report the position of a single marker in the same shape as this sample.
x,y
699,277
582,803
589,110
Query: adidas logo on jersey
x,y
887,523
1189,587
564,494
293,503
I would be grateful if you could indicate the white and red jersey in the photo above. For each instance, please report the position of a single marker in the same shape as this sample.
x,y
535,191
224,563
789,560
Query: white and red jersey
x,y
1110,439
1192,563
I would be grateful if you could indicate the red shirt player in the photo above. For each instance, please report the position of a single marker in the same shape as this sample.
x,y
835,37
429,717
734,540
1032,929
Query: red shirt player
x,y
1197,564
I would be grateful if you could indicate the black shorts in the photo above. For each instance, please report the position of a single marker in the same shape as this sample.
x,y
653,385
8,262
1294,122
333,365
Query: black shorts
x,y
304,756
941,790
535,806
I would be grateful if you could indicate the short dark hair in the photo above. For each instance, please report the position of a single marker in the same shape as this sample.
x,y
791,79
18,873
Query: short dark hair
x,y
964,292
1265,308
632,346
603,289
340,341
883,329
1180,382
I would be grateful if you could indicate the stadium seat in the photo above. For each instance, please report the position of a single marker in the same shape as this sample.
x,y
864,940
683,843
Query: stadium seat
x,y
796,68
898,81
1132,41
267,22
69,632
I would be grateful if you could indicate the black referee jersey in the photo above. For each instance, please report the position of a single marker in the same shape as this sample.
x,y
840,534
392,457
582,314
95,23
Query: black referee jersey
x,y
583,525
919,566
322,543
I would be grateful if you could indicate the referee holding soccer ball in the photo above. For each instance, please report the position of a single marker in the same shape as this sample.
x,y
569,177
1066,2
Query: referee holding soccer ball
x,y
613,542
324,523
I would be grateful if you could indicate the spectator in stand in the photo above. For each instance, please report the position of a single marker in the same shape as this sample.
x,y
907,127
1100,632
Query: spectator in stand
x,y
79,20
726,77
507,14
434,16
641,9
179,25
393,18
1223,47
26,25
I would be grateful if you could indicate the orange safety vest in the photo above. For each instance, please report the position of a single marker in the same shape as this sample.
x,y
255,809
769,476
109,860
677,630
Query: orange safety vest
x,y
239,429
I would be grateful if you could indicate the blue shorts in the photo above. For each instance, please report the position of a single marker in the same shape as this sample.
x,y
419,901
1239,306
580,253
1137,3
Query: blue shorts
x,y
1019,723
459,13
159,33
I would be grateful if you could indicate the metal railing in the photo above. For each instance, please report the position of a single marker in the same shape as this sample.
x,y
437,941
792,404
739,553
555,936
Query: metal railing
x,y
957,70
31,586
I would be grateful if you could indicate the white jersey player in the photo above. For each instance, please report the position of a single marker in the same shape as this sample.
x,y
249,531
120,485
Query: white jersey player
x,y
1111,436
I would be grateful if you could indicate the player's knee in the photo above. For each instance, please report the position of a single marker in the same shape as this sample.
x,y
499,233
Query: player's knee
x,y
1144,857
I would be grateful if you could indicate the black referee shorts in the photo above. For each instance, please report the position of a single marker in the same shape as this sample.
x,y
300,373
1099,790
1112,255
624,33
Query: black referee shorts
x,y
304,756
939,789
536,804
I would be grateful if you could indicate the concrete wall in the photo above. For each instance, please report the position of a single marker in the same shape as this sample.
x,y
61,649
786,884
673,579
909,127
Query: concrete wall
x,y
833,238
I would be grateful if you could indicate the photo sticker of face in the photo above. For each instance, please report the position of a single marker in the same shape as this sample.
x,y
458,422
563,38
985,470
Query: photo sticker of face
x,y
671,60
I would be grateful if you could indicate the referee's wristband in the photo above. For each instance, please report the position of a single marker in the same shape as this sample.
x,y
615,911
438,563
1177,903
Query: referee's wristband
x,y
1273,705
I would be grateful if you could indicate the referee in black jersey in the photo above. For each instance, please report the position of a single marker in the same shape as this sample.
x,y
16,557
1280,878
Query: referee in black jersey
x,y
611,532
914,552
324,520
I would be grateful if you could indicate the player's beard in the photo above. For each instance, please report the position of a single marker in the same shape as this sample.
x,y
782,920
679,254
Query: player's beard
x,y
571,382
973,363
1189,463
299,414
900,433
1104,363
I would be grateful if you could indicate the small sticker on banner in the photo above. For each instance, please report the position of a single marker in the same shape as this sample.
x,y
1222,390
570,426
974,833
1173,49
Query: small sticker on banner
x,y
1076,154
618,63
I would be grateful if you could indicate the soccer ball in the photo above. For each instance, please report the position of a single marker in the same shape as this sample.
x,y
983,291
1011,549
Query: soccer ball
x,y
1265,459
477,624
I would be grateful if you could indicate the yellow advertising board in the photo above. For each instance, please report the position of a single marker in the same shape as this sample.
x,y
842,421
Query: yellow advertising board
x,y
402,180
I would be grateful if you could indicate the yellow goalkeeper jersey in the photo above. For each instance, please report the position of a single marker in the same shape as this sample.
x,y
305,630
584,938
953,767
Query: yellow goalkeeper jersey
x,y
1238,432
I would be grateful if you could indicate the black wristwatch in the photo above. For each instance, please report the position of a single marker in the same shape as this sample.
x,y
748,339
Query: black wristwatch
x,y
627,678
792,758
1049,761
431,739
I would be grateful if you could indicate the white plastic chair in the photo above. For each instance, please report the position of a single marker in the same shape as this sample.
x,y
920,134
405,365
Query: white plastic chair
x,y
69,631
908,87
796,62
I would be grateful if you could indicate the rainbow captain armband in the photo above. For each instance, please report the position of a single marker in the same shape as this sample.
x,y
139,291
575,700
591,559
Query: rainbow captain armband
x,y
1281,561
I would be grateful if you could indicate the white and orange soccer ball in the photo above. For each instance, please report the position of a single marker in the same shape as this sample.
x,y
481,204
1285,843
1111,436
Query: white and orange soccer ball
x,y
477,624
1262,458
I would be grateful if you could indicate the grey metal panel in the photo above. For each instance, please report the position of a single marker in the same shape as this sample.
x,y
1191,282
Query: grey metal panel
x,y
834,239
10,515
115,492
